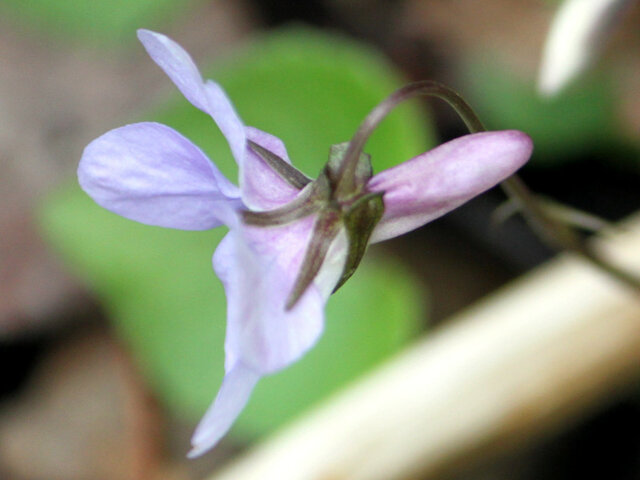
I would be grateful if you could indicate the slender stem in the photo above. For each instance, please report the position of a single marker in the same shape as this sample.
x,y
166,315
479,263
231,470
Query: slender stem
x,y
346,173
553,232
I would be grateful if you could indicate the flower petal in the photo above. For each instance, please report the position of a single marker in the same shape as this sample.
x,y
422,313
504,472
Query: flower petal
x,y
430,185
262,188
221,110
150,173
234,393
177,64
208,97
576,35
258,268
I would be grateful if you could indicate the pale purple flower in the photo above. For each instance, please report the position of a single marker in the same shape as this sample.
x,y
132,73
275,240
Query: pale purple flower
x,y
150,173
578,32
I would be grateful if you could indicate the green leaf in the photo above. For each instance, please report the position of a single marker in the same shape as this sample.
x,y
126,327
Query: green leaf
x,y
157,284
110,22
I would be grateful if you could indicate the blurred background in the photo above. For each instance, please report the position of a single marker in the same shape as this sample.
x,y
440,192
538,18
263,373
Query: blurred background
x,y
111,333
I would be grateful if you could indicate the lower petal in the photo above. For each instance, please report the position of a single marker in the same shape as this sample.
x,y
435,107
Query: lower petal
x,y
258,267
233,395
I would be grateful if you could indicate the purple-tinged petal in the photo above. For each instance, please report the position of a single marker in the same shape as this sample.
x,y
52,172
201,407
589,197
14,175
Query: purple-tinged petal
x,y
208,97
258,268
261,336
221,110
262,188
178,65
434,183
150,173
576,36
234,393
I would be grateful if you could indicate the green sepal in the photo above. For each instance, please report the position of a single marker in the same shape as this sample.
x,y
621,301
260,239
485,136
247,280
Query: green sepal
x,y
364,170
311,199
286,171
325,230
359,221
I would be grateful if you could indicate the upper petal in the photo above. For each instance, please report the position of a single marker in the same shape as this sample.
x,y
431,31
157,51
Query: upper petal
x,y
150,173
208,97
177,64
258,267
221,110
262,188
432,184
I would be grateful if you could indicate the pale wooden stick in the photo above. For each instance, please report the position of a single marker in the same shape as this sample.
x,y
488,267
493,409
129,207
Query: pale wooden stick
x,y
532,356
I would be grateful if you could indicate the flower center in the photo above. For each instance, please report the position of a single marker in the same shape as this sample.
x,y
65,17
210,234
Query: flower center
x,y
357,210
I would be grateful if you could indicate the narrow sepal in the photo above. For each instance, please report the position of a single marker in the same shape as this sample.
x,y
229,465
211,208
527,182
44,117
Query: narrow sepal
x,y
359,221
263,188
309,201
325,229
287,172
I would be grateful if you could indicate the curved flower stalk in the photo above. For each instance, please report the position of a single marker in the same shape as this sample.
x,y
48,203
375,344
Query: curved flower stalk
x,y
292,240
577,33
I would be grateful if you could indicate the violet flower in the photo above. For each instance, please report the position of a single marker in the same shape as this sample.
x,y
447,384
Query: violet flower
x,y
577,34
291,240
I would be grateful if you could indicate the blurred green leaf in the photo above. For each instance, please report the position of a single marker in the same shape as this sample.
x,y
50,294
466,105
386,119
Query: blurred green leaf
x,y
579,120
109,22
158,285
